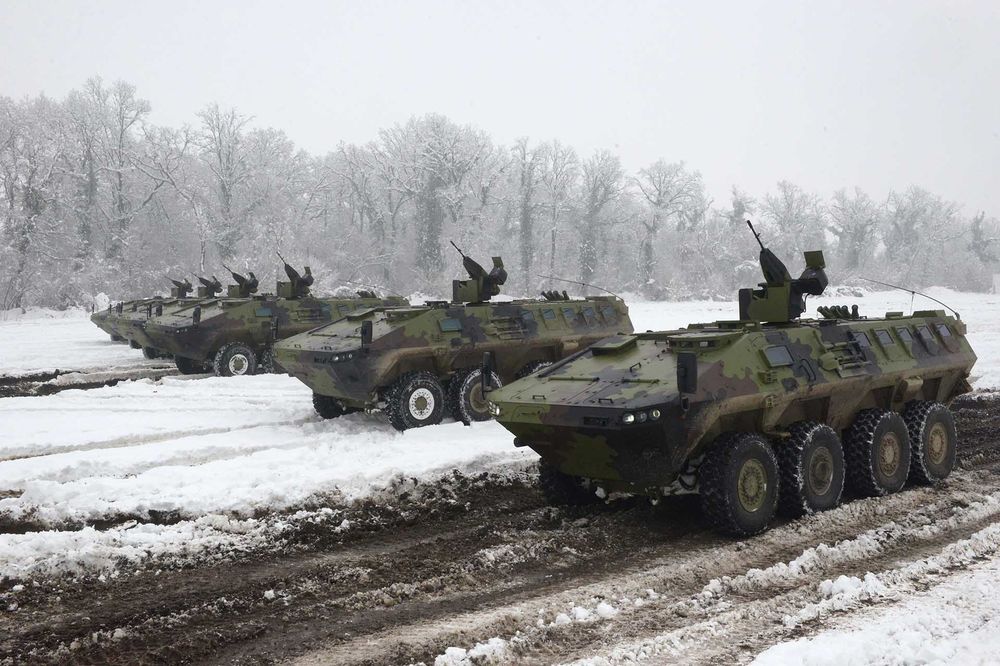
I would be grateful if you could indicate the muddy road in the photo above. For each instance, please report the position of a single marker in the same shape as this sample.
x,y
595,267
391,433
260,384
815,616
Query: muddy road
x,y
482,566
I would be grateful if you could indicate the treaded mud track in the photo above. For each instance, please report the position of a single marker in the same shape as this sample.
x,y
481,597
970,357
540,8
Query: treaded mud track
x,y
489,559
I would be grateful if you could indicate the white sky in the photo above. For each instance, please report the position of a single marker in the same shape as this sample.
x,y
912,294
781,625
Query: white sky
x,y
825,94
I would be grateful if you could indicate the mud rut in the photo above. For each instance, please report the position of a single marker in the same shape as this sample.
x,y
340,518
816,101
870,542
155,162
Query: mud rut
x,y
484,558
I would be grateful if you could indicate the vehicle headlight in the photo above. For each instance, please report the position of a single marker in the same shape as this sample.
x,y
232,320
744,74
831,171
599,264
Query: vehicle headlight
x,y
494,409
628,418
654,414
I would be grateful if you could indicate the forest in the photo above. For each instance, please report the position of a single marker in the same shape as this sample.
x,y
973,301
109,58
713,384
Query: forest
x,y
98,200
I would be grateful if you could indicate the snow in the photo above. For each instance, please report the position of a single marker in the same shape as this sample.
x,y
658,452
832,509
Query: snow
x,y
47,340
955,622
215,454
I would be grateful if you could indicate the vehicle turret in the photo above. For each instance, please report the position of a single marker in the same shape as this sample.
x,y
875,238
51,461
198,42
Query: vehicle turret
x,y
209,288
245,287
780,298
180,289
481,286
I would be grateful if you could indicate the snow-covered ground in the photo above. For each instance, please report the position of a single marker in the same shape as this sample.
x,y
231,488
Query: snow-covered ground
x,y
208,452
955,622
47,340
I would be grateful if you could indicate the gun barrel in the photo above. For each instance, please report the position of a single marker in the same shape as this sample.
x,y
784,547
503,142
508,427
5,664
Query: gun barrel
x,y
457,248
755,234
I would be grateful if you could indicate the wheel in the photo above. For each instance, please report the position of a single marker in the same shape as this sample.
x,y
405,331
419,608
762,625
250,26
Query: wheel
x,y
134,345
329,408
562,489
235,359
811,463
738,483
933,441
465,396
877,451
188,366
151,353
117,338
268,364
531,368
414,400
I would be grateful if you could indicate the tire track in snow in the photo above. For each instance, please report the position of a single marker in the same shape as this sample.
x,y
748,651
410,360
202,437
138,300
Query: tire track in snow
x,y
140,440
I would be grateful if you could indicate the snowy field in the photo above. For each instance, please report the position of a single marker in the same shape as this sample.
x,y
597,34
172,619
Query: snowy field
x,y
148,471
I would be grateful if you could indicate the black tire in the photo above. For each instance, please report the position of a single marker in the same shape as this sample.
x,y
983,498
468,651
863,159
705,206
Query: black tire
x,y
415,400
562,489
738,483
151,353
268,364
329,408
235,359
811,463
117,338
933,441
465,396
877,452
188,366
134,345
531,368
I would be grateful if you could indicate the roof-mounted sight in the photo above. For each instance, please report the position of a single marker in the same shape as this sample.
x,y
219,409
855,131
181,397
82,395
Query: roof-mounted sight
x,y
481,286
780,298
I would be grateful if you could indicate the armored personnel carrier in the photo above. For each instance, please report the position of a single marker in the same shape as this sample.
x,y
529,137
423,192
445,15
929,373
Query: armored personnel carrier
x,y
135,322
120,319
768,412
234,335
417,363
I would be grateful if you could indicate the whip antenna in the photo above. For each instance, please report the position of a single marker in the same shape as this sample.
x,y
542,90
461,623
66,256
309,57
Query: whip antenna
x,y
913,292
584,284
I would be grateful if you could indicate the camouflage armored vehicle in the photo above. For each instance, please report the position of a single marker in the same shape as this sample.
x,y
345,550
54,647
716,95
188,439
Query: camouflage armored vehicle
x,y
135,323
233,335
767,412
118,320
417,363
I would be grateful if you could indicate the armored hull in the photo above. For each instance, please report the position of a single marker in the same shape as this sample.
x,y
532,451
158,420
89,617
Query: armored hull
x,y
118,320
416,359
769,412
615,414
239,332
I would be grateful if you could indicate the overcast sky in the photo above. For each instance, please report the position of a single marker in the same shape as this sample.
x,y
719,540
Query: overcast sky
x,y
825,94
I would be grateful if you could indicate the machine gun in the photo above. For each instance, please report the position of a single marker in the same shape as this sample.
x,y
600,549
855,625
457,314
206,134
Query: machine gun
x,y
297,285
180,289
780,298
244,287
208,288
481,286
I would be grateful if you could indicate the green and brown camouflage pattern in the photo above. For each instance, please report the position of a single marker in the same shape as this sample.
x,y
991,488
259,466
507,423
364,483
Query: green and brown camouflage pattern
x,y
118,319
444,338
614,412
257,321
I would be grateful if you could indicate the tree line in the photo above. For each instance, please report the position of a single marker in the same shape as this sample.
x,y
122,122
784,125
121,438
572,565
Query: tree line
x,y
97,199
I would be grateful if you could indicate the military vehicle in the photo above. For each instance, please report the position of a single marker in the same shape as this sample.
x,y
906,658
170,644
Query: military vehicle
x,y
768,412
233,335
416,363
119,319
135,323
